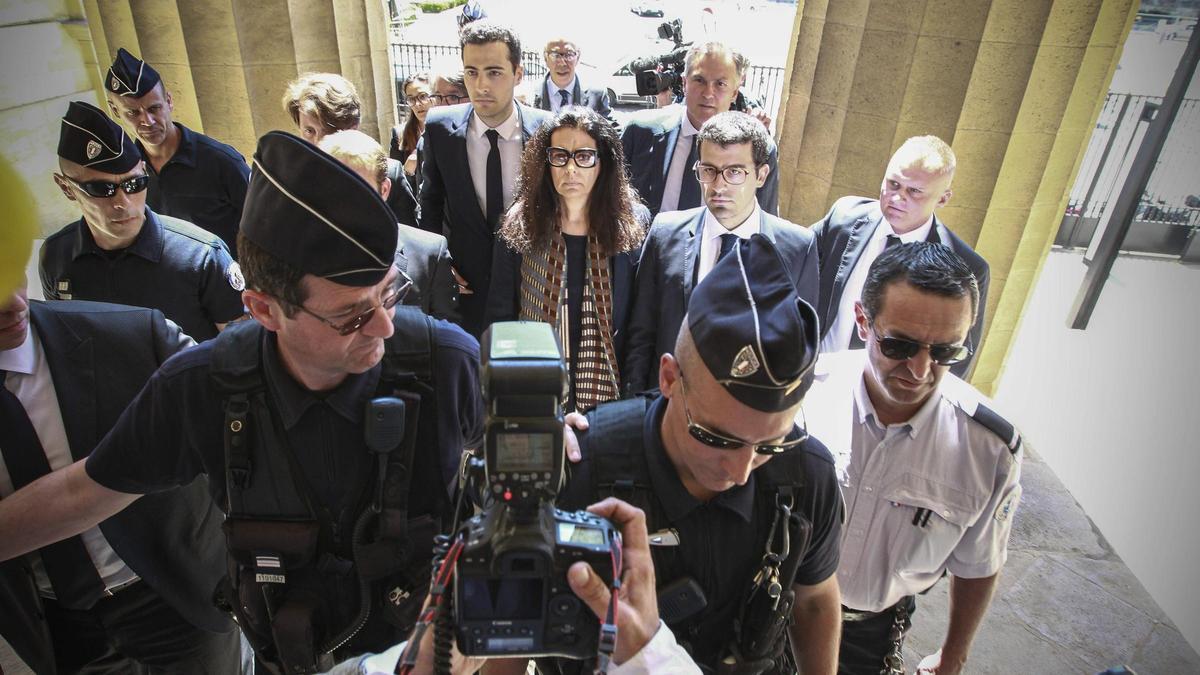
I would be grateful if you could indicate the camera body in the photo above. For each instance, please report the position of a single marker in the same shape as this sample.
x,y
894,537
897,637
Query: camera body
x,y
654,74
511,596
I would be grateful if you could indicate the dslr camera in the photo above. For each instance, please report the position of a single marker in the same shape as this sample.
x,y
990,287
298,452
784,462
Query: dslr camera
x,y
511,596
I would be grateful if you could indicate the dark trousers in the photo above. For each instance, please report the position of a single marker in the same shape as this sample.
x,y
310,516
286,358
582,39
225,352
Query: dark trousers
x,y
136,631
871,645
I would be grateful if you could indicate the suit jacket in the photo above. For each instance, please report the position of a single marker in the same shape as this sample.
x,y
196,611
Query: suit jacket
x,y
100,356
666,276
844,232
425,258
402,200
649,138
596,99
450,206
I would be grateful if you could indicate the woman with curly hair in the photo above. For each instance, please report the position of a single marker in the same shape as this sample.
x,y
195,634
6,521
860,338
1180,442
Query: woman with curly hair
x,y
567,250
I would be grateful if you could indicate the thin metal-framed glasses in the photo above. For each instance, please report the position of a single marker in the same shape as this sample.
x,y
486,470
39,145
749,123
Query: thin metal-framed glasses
x,y
734,175
568,55
584,158
713,439
902,349
103,189
392,296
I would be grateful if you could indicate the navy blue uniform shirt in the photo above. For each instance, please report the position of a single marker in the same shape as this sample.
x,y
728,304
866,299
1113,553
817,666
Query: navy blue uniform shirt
x,y
203,183
722,541
172,266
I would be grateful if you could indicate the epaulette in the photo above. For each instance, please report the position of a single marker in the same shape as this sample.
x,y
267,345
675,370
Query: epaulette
x,y
996,424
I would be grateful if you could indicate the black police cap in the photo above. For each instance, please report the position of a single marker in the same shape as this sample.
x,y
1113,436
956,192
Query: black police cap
x,y
312,212
130,76
757,337
89,138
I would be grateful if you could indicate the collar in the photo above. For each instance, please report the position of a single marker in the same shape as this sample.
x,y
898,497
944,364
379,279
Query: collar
x,y
914,424
23,358
752,225
508,129
919,234
570,88
147,244
293,400
686,129
664,478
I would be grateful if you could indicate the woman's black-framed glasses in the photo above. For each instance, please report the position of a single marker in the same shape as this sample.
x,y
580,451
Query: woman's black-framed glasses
x,y
447,99
712,439
420,98
902,349
103,189
392,296
584,158
734,175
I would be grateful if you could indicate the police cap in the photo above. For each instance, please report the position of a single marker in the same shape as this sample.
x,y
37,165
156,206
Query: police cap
x,y
130,76
89,138
312,212
757,337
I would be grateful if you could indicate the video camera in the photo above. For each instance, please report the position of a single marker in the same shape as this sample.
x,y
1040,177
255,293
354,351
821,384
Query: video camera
x,y
654,74
511,596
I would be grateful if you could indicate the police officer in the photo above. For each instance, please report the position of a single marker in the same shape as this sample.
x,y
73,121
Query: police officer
x,y
192,177
329,427
929,471
742,505
121,251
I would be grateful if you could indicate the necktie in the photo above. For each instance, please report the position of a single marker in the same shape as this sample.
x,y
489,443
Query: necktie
x,y
689,189
728,241
855,341
564,98
72,574
495,186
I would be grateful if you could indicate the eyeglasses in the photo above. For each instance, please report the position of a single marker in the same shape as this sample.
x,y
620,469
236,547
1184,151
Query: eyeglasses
x,y
902,349
103,189
584,158
446,99
712,439
734,175
393,295
419,98
563,56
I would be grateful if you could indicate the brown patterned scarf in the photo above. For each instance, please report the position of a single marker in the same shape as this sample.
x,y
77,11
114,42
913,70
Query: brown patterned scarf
x,y
543,278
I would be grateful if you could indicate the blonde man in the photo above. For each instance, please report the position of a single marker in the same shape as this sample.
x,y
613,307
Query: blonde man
x,y
423,256
857,229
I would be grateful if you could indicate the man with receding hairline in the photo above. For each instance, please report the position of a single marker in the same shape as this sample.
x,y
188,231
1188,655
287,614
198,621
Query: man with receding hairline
x,y
561,87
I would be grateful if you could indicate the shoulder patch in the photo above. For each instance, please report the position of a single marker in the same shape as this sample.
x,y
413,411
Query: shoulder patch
x,y
233,274
999,426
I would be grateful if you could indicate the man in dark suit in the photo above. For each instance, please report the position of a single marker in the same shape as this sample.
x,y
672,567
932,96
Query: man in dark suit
x,y
857,229
683,246
561,87
423,256
659,147
471,160
138,588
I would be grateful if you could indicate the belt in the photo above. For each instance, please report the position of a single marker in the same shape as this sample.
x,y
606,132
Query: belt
x,y
109,592
850,614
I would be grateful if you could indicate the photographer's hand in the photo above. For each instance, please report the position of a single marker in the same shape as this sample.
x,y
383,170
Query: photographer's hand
x,y
637,617
574,421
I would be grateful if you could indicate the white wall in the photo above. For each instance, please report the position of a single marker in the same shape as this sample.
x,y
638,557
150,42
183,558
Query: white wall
x,y
1115,412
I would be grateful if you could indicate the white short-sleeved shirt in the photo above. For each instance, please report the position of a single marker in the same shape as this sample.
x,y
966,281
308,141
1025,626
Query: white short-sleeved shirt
x,y
934,494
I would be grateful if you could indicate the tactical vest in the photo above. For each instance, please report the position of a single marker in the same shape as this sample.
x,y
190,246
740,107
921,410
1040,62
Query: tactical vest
x,y
616,450
300,593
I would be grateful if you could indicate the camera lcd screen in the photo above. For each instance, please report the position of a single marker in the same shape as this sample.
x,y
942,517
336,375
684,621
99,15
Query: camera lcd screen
x,y
570,533
506,599
524,452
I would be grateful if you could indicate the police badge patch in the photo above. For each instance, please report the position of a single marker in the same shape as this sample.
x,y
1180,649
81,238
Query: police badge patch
x,y
93,149
1006,508
745,363
233,274
115,83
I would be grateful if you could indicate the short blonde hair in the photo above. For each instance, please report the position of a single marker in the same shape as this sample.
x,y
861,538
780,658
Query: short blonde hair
x,y
929,153
358,151
329,97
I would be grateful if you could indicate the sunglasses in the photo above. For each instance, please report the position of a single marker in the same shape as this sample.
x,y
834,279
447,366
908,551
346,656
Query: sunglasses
x,y
584,158
902,349
392,296
103,189
712,439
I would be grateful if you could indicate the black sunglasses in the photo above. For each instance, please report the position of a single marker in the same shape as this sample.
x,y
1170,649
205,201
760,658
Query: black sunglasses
x,y
712,439
394,294
103,189
902,349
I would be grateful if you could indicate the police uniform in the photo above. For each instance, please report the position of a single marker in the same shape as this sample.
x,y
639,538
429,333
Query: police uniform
x,y
172,266
759,340
204,182
345,234
932,495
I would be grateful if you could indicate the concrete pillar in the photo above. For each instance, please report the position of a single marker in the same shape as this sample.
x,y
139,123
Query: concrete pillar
x,y
354,49
1014,87
314,35
216,68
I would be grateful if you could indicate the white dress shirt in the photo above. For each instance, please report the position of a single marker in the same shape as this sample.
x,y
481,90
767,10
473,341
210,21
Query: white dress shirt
x,y
556,98
710,245
679,169
511,144
838,337
29,380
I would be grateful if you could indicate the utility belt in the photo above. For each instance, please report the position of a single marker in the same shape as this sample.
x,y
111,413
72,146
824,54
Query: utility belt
x,y
850,614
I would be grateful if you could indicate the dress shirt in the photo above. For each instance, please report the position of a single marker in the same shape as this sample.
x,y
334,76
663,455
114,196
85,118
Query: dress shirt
x,y
556,98
29,380
679,168
838,337
710,246
511,143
